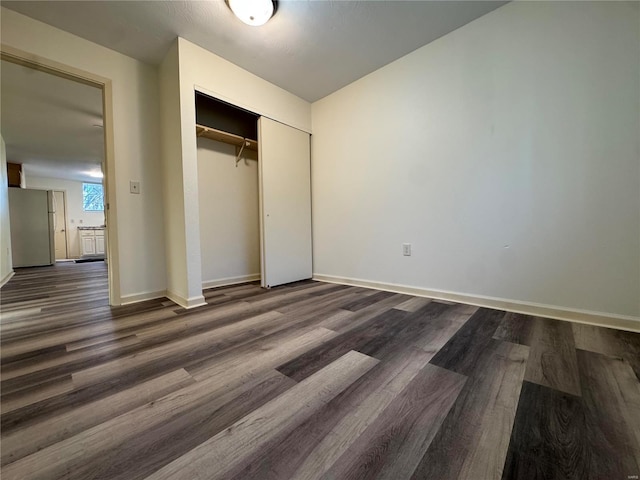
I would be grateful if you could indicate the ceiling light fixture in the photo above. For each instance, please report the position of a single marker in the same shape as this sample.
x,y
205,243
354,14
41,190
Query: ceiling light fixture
x,y
253,12
95,174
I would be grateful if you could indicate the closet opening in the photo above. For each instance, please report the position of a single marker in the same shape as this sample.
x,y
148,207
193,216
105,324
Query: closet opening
x,y
228,192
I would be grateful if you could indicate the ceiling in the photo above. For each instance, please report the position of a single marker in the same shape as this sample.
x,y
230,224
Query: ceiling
x,y
310,48
49,123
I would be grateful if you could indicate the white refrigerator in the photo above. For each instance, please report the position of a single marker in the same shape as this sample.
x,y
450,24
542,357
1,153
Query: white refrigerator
x,y
32,217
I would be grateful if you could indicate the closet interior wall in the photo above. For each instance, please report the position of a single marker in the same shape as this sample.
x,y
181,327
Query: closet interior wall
x,y
229,202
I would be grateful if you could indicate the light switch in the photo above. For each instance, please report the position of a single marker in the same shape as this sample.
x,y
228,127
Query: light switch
x,y
134,187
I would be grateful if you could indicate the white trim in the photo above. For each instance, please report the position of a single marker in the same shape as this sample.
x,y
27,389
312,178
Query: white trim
x,y
141,297
6,278
223,282
610,320
187,303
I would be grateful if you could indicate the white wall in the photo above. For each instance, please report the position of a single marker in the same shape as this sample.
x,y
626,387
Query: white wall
x,y
506,152
206,72
136,137
173,184
229,222
201,70
76,216
6,266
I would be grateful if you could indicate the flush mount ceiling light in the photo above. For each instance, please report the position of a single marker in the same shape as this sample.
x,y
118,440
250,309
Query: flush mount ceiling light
x,y
253,12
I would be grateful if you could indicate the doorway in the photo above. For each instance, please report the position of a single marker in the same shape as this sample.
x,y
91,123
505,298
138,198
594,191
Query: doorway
x,y
104,168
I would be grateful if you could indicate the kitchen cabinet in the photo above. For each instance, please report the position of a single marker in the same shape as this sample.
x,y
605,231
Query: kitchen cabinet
x,y
92,240
100,242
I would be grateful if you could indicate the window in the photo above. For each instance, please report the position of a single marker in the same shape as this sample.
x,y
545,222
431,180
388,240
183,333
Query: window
x,y
92,197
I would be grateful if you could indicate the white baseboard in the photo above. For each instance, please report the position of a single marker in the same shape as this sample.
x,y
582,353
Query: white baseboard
x,y
187,303
223,282
191,302
141,297
6,278
621,322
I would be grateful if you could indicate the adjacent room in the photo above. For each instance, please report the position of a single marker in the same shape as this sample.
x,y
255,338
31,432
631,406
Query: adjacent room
x,y
324,240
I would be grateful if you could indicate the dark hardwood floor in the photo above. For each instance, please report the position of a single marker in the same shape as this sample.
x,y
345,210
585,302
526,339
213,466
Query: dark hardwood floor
x,y
305,381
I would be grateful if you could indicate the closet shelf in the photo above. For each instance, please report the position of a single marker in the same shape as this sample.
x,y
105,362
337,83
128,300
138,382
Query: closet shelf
x,y
225,137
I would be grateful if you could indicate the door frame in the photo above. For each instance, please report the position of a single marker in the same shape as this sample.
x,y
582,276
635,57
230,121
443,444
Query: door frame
x,y
66,222
20,57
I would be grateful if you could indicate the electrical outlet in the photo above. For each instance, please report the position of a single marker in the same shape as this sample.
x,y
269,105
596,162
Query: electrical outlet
x,y
134,187
406,249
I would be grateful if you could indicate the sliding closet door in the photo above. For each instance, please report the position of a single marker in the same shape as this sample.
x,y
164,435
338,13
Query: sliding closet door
x,y
285,193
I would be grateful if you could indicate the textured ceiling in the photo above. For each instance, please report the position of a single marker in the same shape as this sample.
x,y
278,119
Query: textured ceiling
x,y
48,123
310,48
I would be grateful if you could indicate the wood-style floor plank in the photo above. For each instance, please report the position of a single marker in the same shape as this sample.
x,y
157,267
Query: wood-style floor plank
x,y
28,440
68,457
462,353
515,328
343,323
609,342
313,360
273,353
557,435
413,304
176,351
471,442
428,328
377,385
66,336
442,329
167,441
362,414
222,452
393,445
612,407
549,440
363,302
42,391
552,360
342,420
485,458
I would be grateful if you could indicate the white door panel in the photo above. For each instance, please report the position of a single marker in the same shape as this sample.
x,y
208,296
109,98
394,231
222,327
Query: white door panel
x,y
285,193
